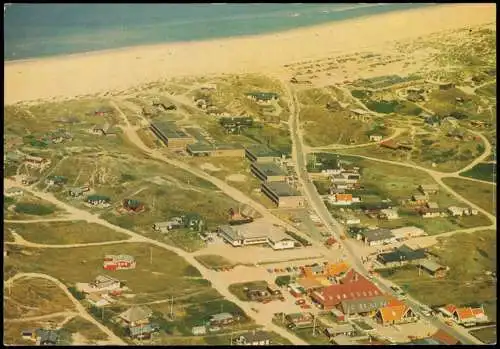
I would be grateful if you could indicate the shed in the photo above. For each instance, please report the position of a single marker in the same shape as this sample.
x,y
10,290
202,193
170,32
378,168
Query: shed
x,y
433,268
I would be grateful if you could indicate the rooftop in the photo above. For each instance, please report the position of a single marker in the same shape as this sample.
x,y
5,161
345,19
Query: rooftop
x,y
377,234
169,129
270,169
136,313
262,228
210,147
282,189
261,150
430,265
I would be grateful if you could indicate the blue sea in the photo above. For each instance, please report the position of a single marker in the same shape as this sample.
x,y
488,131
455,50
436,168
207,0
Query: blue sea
x,y
41,30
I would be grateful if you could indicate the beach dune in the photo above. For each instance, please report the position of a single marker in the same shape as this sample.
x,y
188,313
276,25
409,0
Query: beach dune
x,y
89,73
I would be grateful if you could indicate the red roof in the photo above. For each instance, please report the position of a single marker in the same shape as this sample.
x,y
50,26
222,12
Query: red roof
x,y
355,287
390,144
450,308
445,338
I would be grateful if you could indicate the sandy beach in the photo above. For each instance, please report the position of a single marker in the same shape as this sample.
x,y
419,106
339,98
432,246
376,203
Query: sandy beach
x,y
81,74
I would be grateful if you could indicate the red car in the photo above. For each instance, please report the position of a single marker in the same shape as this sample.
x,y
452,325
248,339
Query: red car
x,y
305,306
300,301
276,270
282,299
265,301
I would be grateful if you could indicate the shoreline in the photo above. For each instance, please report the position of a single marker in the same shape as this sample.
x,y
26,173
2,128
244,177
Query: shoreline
x,y
118,69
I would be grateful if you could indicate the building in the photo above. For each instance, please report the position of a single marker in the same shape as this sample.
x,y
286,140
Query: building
x,y
401,256
376,237
359,114
388,213
142,331
257,232
46,337
375,138
221,319
283,195
14,191
258,293
171,135
77,191
254,338
263,97
165,227
419,199
340,199
408,232
119,262
310,284
362,306
352,287
133,205
235,123
268,172
466,316
446,86
98,200
432,205
227,150
458,211
104,283
29,180
261,153
97,300
199,330
300,319
390,144
351,220
56,180
136,316
233,236
428,188
36,161
395,313
431,212
433,268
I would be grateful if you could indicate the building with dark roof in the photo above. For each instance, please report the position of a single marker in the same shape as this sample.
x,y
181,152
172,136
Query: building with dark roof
x,y
400,256
363,306
171,135
377,236
216,150
254,338
268,172
283,195
261,153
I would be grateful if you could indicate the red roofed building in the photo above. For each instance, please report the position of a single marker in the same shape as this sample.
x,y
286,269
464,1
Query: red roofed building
x,y
467,316
352,287
390,144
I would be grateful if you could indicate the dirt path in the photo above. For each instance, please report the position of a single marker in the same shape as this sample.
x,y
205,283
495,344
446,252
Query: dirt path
x,y
27,221
43,317
80,309
396,133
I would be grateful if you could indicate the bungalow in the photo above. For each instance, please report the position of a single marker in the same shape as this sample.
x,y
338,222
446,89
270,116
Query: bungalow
x,y
131,205
254,338
56,180
431,213
263,97
433,268
300,319
136,316
105,283
388,213
458,211
377,237
14,191
119,262
375,138
98,200
97,300
428,188
199,330
395,314
359,114
221,319
466,316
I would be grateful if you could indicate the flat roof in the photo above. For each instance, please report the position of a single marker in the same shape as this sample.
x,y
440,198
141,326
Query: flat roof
x,y
169,129
260,228
282,189
261,150
210,147
270,169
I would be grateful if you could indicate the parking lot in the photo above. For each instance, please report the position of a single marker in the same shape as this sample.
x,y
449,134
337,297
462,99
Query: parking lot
x,y
400,333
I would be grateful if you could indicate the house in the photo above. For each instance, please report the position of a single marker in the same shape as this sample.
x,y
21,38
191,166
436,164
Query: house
x,y
432,205
400,256
340,199
376,237
433,268
199,330
119,262
46,337
458,211
309,284
105,283
254,338
375,138
131,205
263,97
352,287
221,319
97,300
143,331
56,180
428,188
165,227
431,212
388,213
390,144
395,313
419,199
300,319
351,220
77,191
14,191
98,200
466,316
136,316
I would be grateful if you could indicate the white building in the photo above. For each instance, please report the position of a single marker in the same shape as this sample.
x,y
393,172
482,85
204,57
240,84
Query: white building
x,y
457,211
351,221
408,232
375,138
389,213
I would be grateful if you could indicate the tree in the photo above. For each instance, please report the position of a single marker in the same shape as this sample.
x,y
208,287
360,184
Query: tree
x,y
283,280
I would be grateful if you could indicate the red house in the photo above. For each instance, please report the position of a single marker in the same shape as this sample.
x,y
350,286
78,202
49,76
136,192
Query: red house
x,y
118,262
133,205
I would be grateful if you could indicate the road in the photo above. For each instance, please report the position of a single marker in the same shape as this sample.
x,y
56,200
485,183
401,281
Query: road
x,y
315,201
113,339
42,317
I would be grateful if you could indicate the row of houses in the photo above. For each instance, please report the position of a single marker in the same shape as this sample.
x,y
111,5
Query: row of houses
x,y
192,221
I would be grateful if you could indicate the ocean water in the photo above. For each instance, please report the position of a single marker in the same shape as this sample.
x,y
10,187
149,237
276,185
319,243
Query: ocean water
x,y
41,30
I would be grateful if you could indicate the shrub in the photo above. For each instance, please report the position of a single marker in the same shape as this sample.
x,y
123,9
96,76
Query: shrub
x,y
283,280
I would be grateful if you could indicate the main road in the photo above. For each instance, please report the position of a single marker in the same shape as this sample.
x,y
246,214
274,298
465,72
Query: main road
x,y
316,203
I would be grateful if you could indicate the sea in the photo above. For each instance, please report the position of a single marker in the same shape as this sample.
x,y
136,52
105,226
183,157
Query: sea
x,y
43,30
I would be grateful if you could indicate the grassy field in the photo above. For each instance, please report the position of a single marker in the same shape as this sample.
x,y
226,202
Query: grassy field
x,y
306,333
237,289
486,335
29,207
85,328
168,275
483,171
469,256
185,239
61,233
489,90
34,297
483,195
214,261
12,330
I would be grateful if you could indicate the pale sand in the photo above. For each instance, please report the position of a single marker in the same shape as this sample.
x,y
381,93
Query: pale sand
x,y
90,73
236,178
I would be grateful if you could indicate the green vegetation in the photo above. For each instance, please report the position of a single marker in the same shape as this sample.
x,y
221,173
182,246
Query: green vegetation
x,y
482,194
482,171
322,186
489,90
34,209
385,107
238,289
306,333
186,239
486,335
61,233
214,261
468,256
283,280
85,328
299,238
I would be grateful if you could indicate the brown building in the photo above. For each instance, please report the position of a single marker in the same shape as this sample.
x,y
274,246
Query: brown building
x,y
172,136
283,195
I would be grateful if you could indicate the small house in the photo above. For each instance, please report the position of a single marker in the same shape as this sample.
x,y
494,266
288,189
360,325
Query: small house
x,y
199,330
56,180
136,316
377,237
400,256
254,338
388,213
432,205
165,227
119,262
337,329
395,314
14,191
263,97
430,212
428,188
300,319
105,283
419,199
434,269
131,205
77,191
98,200
457,211
375,138
221,319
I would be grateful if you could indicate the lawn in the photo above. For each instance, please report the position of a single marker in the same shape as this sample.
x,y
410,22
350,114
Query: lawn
x,y
238,289
12,330
34,297
468,256
482,171
168,275
482,194
85,328
486,335
489,90
214,261
185,239
62,233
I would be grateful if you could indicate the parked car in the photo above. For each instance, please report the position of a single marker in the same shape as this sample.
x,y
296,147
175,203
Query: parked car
x,y
269,270
255,310
282,299
305,306
276,270
300,301
288,269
